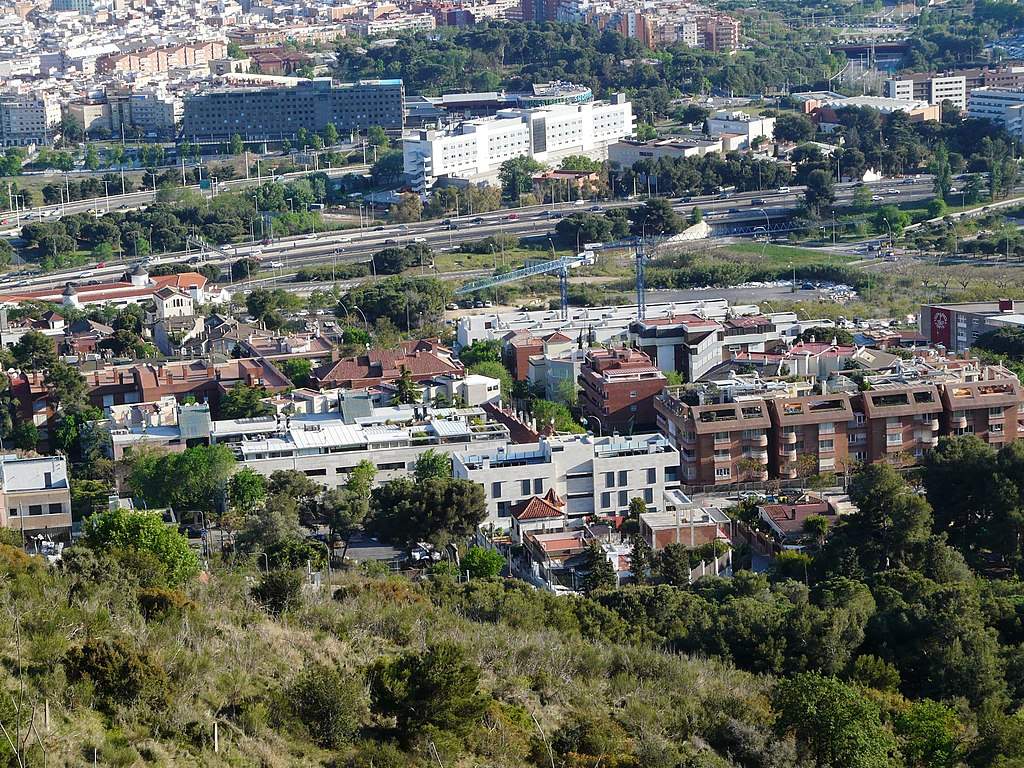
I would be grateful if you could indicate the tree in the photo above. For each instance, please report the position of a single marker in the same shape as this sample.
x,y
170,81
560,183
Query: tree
x,y
91,159
930,735
329,703
34,351
437,510
819,192
279,591
581,163
641,559
833,723
599,573
237,146
408,208
790,126
941,170
889,218
377,137
247,491
437,688
388,169
406,390
673,565
816,526
656,217
581,228
115,530
299,370
432,464
483,563
243,401
516,176
330,134
482,351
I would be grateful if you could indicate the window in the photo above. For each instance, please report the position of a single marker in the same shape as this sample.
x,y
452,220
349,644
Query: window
x,y
997,412
538,485
47,479
309,473
723,455
652,476
721,436
496,489
826,428
623,477
606,500
722,473
826,445
896,439
35,509
632,394
648,495
623,498
609,479
13,511
504,509
55,509
524,487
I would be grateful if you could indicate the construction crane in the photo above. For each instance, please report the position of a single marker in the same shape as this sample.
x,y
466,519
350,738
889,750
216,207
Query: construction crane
x,y
641,246
561,266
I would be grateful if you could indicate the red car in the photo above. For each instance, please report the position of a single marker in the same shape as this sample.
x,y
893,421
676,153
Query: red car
x,y
512,217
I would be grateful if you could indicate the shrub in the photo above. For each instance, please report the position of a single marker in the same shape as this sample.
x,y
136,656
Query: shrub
x,y
329,704
483,563
119,673
278,591
14,561
143,532
155,602
437,688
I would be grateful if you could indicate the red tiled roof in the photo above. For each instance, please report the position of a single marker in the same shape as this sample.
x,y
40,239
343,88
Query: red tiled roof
x,y
538,508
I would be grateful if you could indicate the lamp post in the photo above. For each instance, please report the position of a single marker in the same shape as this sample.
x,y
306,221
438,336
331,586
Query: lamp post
x,y
889,227
586,422
366,323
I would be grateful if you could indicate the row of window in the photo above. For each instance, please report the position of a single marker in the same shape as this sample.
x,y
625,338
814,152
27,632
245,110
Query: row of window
x,y
37,509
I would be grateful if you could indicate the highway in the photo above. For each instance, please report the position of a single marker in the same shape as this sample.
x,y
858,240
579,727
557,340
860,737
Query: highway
x,y
353,245
141,198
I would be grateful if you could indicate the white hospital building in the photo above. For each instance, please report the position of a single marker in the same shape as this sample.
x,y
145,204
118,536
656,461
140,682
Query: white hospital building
x,y
475,149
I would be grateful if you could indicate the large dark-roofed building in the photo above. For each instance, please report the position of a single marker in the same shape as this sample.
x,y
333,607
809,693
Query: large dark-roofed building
x,y
279,111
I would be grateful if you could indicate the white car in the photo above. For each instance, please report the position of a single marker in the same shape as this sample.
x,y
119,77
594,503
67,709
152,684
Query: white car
x,y
275,265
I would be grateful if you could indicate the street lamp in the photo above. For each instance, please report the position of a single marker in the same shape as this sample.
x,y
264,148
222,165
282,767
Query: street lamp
x,y
586,422
366,323
889,227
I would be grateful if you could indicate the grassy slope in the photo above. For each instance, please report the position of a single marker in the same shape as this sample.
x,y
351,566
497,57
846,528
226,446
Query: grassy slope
x,y
228,660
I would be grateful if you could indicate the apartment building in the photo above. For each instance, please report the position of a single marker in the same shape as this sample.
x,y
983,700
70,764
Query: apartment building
x,y
752,429
1000,105
934,89
718,443
718,32
808,434
325,446
374,25
594,475
28,118
687,343
150,110
747,127
988,407
625,153
153,60
35,495
475,149
278,111
617,390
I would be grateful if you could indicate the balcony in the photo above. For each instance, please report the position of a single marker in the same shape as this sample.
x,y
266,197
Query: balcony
x,y
999,418
789,438
758,455
723,459
787,454
723,440
958,422
788,473
893,447
759,441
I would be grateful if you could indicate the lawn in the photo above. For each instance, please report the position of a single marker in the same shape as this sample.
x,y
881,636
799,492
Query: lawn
x,y
784,255
513,258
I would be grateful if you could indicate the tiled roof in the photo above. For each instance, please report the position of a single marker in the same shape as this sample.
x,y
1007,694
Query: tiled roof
x,y
537,508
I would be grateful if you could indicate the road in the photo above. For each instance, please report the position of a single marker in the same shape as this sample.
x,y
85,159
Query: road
x,y
354,245
138,199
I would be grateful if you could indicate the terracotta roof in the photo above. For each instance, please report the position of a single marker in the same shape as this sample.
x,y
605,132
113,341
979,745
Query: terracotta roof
x,y
423,359
539,508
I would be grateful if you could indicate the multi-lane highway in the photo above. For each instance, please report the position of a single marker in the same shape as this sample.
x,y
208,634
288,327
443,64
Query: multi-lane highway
x,y
141,198
340,246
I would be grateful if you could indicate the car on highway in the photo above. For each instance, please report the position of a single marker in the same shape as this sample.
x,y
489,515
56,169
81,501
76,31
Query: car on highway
x,y
452,225
391,241
595,208
877,197
311,236
275,265
478,219
783,190
512,217
580,203
758,201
